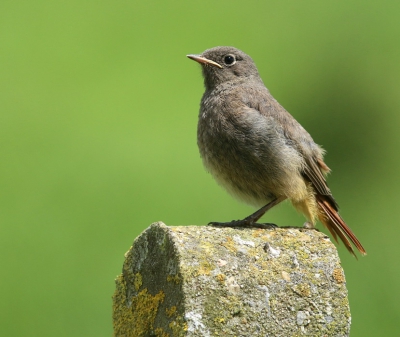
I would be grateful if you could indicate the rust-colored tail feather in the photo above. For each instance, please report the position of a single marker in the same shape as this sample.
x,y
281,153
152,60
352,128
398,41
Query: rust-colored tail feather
x,y
331,219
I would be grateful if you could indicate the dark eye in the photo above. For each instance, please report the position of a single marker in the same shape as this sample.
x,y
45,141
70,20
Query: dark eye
x,y
229,60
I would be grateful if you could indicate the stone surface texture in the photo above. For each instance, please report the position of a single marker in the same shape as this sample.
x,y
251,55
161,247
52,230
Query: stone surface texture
x,y
209,281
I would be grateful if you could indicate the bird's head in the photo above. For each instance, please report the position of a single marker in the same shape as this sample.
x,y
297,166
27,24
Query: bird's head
x,y
223,64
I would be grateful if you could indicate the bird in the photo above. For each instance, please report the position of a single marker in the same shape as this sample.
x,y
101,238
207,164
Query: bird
x,y
257,150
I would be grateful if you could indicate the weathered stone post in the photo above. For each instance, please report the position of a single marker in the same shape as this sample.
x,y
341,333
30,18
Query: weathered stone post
x,y
208,281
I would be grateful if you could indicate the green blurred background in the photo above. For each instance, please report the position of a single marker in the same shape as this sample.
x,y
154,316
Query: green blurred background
x,y
98,140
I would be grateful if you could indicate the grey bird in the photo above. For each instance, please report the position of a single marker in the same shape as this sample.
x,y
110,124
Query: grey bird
x,y
256,150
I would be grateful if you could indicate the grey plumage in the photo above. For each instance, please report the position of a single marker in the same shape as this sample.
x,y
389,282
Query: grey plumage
x,y
255,148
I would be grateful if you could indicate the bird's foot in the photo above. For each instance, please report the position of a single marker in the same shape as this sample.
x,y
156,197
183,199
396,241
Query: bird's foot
x,y
245,223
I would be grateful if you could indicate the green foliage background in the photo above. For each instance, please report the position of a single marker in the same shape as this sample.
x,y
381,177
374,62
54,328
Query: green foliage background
x,y
98,140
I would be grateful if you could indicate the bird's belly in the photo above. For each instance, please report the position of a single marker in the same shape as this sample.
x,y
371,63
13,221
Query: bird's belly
x,y
242,175
242,185
253,174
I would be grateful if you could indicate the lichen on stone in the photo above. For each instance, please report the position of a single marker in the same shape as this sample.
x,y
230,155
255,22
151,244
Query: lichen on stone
x,y
209,281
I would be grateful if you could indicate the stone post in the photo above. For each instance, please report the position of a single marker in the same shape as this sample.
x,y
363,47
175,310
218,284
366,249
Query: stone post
x,y
209,281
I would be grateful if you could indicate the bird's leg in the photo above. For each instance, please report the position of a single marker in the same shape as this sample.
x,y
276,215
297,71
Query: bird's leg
x,y
251,220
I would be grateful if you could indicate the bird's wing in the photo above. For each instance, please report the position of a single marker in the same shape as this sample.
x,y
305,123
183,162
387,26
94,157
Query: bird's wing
x,y
314,168
314,172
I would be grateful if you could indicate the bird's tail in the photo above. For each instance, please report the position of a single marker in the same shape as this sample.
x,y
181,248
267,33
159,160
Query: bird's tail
x,y
330,218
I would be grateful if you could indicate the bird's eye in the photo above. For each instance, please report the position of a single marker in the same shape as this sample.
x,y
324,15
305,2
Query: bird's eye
x,y
229,60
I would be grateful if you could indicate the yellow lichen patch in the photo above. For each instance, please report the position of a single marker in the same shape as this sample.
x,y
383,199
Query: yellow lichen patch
x,y
230,245
338,275
221,278
141,314
122,319
208,247
220,320
173,278
205,268
170,311
257,233
137,282
160,333
178,327
304,237
302,289
304,256
138,319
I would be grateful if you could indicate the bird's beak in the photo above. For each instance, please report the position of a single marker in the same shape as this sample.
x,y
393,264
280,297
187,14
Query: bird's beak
x,y
203,60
